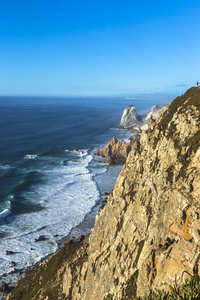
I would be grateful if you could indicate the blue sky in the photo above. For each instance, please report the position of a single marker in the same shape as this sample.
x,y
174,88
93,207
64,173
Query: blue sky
x,y
84,47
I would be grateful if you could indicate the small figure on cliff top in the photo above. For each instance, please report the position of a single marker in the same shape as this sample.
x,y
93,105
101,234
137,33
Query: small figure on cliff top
x,y
197,83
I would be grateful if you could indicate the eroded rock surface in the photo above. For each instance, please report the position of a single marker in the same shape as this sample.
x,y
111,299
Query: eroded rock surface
x,y
148,234
154,112
116,152
130,118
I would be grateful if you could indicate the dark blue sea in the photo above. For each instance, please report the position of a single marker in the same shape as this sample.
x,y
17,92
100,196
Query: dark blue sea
x,y
47,169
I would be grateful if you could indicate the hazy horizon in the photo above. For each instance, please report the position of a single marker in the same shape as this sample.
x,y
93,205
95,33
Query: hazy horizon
x,y
121,96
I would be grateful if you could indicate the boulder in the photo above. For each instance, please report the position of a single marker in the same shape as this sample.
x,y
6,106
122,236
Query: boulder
x,y
8,252
80,238
5,288
40,238
12,264
69,242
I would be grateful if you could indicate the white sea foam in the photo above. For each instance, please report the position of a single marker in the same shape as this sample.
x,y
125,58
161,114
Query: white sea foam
x,y
5,167
31,156
97,171
114,128
67,197
81,153
6,211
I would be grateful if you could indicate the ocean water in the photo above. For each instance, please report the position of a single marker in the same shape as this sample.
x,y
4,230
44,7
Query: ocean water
x,y
49,179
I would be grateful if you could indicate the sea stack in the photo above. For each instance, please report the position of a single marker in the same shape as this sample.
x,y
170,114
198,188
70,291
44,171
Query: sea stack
x,y
130,118
154,112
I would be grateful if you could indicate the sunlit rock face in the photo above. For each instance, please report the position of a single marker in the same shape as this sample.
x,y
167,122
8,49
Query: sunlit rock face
x,y
147,237
130,118
154,112
116,152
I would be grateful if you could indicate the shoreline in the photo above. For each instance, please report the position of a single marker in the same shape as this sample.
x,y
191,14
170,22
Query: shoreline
x,y
105,183
105,188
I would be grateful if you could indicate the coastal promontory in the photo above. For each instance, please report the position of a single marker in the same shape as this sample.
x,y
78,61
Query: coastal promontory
x,y
147,237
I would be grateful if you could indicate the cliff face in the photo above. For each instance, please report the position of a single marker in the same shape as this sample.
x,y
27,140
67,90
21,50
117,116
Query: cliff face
x,y
148,235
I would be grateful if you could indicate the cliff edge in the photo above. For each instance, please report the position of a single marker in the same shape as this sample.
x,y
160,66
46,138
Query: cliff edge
x,y
147,237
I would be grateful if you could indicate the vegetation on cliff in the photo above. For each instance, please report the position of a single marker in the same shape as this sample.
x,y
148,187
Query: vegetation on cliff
x,y
46,279
167,127
180,105
147,237
189,291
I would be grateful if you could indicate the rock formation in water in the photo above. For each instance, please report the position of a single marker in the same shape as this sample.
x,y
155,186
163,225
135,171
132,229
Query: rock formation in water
x,y
154,112
147,237
116,152
130,118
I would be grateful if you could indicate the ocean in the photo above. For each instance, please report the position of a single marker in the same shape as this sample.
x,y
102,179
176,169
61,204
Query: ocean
x,y
50,182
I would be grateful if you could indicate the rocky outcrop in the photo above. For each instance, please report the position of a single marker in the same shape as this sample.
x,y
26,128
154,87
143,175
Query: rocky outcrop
x,y
147,237
130,118
116,152
154,112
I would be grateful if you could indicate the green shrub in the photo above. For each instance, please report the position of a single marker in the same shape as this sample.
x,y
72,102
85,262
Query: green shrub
x,y
189,291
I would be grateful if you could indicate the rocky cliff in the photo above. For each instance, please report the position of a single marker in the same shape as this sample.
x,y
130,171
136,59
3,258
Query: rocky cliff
x,y
147,237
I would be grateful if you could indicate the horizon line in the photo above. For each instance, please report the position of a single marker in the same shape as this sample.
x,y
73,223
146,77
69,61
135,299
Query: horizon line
x,y
124,95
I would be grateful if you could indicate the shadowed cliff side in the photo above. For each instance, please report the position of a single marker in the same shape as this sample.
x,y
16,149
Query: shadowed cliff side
x,y
147,236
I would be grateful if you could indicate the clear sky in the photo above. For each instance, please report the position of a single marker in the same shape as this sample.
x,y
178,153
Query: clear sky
x,y
105,47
